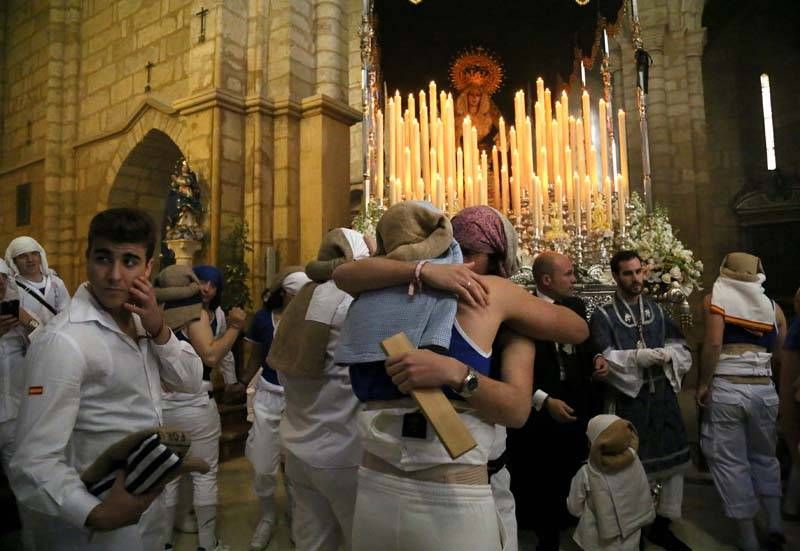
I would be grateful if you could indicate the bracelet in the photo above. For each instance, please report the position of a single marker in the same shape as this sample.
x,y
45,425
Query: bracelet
x,y
416,282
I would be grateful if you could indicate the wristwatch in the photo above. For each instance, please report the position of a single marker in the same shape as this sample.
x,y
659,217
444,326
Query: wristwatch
x,y
470,384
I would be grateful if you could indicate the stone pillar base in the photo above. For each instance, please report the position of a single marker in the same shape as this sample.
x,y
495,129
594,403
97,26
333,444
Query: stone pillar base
x,y
184,250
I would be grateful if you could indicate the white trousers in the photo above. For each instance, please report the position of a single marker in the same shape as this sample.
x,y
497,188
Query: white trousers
x,y
263,447
324,504
398,514
203,425
738,438
670,498
506,506
54,534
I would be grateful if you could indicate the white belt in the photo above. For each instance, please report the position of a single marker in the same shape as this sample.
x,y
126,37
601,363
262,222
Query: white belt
x,y
749,364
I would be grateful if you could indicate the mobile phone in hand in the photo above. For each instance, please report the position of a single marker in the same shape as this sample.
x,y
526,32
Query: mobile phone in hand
x,y
10,308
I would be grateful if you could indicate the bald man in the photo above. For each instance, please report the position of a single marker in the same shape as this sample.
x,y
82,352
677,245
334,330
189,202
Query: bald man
x,y
550,447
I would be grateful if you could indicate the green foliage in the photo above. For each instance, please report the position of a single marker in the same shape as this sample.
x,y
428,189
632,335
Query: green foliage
x,y
235,270
366,222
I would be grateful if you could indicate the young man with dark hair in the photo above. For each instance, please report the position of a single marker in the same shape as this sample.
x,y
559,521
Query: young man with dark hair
x,y
643,357
93,376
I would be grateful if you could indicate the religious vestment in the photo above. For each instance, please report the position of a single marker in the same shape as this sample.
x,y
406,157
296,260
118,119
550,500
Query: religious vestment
x,y
647,359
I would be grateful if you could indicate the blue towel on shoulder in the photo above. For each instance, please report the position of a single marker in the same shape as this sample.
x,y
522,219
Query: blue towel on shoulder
x,y
426,318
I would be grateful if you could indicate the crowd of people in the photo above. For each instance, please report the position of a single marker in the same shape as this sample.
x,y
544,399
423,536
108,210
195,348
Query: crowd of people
x,y
109,430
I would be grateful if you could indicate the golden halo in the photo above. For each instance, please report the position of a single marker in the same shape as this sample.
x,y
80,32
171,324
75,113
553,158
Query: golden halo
x,y
476,67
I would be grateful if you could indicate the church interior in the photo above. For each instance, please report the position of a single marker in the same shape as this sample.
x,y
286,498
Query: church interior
x,y
248,129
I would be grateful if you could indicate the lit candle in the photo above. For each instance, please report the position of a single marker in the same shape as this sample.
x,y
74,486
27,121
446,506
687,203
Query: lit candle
x,y
592,166
466,142
392,142
484,196
545,188
440,200
528,152
440,153
419,191
581,151
460,176
587,125
537,204
601,126
556,153
548,121
607,190
515,193
568,174
433,108
433,173
564,125
540,90
468,192
451,195
424,143
407,166
401,148
623,148
620,201
498,201
412,106
504,170
506,193
379,168
578,203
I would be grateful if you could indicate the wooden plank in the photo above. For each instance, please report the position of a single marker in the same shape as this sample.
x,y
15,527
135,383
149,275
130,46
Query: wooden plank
x,y
435,406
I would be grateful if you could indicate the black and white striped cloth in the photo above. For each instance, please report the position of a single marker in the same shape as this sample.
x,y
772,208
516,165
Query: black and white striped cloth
x,y
146,465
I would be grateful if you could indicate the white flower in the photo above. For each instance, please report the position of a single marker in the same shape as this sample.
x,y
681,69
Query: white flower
x,y
676,273
666,278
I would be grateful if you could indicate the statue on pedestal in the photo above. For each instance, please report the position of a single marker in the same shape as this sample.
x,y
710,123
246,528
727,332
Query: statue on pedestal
x,y
183,205
477,75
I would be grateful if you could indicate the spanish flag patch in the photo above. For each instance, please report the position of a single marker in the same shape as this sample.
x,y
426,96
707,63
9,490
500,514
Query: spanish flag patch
x,y
35,390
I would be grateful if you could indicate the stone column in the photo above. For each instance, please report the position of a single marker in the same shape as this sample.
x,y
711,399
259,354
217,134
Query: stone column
x,y
325,193
290,77
330,47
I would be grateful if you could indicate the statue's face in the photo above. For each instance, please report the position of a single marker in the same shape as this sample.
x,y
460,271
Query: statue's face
x,y
473,99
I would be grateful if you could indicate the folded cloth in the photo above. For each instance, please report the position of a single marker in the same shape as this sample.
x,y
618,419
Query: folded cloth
x,y
149,458
482,229
738,294
178,291
412,230
618,486
301,340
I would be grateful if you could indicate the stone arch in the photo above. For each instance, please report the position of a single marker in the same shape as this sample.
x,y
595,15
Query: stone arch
x,y
142,178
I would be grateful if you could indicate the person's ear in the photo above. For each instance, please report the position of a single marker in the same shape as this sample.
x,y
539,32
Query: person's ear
x,y
148,268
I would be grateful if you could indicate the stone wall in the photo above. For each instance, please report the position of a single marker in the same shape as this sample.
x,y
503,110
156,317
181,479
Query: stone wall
x,y
233,102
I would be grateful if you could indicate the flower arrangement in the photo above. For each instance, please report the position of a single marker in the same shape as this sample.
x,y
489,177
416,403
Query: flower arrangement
x,y
669,263
366,221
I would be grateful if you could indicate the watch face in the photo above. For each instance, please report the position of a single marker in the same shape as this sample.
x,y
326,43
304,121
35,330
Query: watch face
x,y
471,383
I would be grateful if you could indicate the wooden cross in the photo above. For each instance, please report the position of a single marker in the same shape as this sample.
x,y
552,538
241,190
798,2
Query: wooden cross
x,y
148,68
435,406
202,14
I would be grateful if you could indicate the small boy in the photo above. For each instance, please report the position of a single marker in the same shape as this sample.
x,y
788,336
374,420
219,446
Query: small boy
x,y
610,493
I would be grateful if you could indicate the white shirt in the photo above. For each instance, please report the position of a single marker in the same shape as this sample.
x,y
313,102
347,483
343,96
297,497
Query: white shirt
x,y
55,293
12,379
319,424
97,386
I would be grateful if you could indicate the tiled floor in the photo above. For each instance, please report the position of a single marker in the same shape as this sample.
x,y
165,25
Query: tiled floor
x,y
704,527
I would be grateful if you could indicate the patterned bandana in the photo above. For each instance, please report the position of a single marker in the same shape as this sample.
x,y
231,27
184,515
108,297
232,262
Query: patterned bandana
x,y
480,229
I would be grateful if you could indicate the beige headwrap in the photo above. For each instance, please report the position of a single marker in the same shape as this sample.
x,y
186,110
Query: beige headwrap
x,y
178,291
301,340
738,294
413,230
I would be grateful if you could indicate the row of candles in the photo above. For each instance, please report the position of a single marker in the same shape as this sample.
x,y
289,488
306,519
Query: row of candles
x,y
554,161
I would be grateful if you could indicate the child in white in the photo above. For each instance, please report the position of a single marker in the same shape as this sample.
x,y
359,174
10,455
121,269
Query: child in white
x,y
610,493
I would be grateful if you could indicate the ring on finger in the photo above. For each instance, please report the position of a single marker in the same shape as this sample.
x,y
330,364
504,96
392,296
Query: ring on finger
x,y
468,283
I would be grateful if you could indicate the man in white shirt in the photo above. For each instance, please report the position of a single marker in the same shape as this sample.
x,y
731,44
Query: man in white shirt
x,y
93,376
